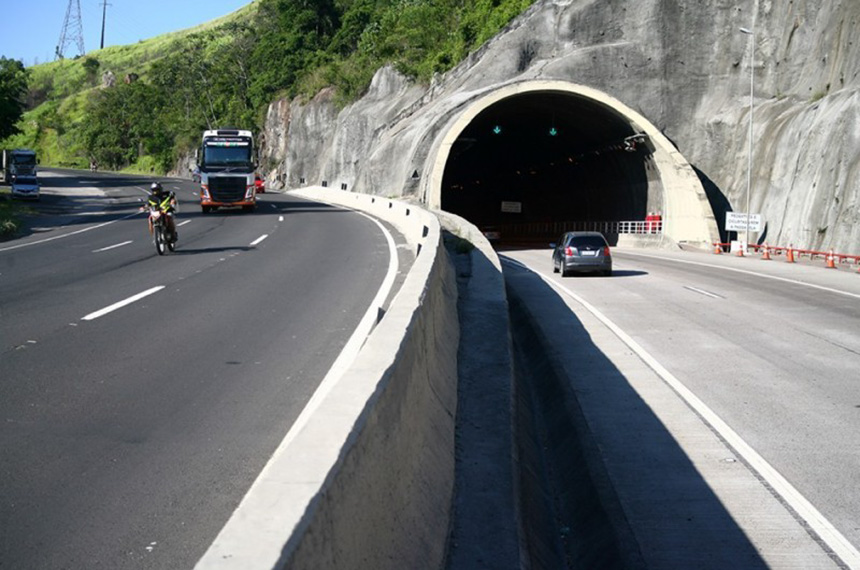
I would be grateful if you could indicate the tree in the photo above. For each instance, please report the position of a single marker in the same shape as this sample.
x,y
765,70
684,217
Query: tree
x,y
126,122
13,89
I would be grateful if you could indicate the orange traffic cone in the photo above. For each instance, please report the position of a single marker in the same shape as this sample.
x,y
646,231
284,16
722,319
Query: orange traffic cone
x,y
741,249
718,248
766,254
831,262
789,255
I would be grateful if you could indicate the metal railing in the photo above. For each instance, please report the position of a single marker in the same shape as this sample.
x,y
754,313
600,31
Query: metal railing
x,y
542,229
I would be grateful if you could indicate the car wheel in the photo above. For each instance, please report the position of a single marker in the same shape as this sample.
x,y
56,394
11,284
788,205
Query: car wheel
x,y
607,273
554,266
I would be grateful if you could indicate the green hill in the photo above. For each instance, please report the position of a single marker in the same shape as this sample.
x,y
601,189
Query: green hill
x,y
167,89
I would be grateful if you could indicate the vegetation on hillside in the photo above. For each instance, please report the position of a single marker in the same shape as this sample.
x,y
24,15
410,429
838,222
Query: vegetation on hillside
x,y
13,85
166,90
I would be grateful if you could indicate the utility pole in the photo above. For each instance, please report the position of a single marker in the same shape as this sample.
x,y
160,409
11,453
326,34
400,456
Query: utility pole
x,y
73,30
104,12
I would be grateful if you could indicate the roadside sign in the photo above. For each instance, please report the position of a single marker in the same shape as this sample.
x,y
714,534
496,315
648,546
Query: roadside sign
x,y
737,222
512,207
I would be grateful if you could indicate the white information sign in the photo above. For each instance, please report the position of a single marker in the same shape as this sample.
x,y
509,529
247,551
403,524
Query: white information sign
x,y
512,207
737,222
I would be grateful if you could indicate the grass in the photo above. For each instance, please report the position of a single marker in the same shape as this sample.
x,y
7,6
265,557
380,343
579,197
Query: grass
x,y
418,37
10,213
61,89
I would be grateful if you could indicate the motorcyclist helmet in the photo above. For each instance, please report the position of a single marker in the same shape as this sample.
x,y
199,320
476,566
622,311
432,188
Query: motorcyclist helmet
x,y
156,188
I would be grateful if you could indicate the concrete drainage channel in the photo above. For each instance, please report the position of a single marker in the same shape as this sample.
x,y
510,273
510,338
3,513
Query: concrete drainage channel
x,y
567,505
559,497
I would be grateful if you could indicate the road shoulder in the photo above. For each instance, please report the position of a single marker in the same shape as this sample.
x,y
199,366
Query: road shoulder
x,y
688,498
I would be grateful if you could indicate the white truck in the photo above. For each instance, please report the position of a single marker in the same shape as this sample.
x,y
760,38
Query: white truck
x,y
19,169
226,168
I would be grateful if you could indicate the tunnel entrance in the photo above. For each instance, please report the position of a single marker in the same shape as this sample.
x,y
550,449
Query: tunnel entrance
x,y
538,163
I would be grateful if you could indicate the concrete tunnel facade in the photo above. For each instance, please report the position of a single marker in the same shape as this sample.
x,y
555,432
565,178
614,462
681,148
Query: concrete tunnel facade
x,y
536,156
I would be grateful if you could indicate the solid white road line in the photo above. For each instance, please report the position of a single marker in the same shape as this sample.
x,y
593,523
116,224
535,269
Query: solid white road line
x,y
112,246
121,304
338,368
814,519
353,345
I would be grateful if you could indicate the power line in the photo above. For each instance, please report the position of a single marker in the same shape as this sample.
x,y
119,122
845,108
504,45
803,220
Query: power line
x,y
73,30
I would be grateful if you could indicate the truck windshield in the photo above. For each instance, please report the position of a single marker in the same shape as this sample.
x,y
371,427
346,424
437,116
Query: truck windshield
x,y
227,153
25,159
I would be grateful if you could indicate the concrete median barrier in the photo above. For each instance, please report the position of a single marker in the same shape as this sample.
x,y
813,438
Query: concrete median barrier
x,y
367,480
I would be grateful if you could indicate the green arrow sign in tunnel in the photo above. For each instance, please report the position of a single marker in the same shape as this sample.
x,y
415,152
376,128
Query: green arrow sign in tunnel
x,y
538,156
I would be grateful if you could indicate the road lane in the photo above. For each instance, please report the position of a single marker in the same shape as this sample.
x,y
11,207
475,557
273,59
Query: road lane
x,y
774,356
129,439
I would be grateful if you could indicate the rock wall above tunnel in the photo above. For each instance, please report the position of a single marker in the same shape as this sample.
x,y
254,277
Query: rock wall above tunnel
x,y
683,65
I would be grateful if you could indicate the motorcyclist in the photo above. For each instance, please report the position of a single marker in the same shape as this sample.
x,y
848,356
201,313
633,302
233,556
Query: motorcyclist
x,y
165,201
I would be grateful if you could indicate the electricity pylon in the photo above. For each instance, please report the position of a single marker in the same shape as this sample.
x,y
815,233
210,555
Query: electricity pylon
x,y
73,30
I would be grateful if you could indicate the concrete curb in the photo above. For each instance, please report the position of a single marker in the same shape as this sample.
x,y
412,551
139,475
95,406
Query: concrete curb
x,y
367,482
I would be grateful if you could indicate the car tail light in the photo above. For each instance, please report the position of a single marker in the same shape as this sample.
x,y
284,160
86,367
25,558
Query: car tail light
x,y
606,251
570,251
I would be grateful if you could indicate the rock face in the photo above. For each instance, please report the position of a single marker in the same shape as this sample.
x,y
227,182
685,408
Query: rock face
x,y
683,64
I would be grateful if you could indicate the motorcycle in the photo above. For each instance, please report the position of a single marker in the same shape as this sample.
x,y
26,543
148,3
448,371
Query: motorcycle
x,y
164,239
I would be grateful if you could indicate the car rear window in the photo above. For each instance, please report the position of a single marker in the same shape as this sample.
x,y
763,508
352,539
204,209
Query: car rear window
x,y
592,242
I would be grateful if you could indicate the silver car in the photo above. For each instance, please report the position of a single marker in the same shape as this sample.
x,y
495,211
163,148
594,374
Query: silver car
x,y
25,187
583,252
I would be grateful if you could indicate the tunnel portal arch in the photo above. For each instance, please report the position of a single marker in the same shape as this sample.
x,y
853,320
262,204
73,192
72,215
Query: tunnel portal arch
x,y
552,150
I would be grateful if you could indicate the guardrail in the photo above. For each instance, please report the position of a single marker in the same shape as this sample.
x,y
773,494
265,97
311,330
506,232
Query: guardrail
x,y
793,254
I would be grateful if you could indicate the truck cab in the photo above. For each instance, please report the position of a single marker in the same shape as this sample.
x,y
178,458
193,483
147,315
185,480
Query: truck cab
x,y
18,162
226,168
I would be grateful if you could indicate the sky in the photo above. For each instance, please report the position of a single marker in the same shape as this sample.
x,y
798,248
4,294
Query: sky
x,y
30,29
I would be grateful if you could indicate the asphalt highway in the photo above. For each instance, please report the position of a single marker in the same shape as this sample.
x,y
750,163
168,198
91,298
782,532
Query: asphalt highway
x,y
140,395
769,348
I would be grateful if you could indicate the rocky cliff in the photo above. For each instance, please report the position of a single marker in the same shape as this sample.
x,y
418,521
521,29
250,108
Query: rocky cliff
x,y
685,65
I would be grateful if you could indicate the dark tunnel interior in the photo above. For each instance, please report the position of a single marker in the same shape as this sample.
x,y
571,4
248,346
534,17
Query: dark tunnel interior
x,y
539,163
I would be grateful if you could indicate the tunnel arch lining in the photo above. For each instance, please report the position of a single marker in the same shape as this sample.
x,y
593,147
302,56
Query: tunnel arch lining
x,y
686,211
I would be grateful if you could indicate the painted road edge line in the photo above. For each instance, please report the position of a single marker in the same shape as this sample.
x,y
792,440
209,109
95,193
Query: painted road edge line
x,y
816,521
341,364
121,304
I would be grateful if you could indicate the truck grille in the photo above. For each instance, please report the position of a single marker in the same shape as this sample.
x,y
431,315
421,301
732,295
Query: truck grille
x,y
227,188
